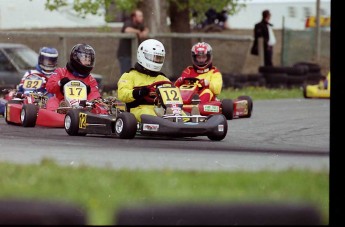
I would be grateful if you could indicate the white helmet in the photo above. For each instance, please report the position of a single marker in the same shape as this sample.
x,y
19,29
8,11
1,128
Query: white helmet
x,y
151,54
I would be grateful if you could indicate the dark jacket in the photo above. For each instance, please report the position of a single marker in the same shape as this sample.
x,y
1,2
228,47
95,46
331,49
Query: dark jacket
x,y
260,30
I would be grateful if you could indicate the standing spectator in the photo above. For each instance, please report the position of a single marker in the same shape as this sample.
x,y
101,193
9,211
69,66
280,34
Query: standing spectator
x,y
264,30
135,24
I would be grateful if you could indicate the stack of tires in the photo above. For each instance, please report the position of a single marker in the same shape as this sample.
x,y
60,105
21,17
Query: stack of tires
x,y
238,81
291,76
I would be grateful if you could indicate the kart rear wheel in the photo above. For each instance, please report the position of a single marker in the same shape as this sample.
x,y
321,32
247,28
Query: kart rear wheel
x,y
228,108
125,125
305,91
28,115
217,136
71,123
250,104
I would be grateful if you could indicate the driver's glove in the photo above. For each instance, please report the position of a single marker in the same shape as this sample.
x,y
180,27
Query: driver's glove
x,y
140,92
62,83
88,89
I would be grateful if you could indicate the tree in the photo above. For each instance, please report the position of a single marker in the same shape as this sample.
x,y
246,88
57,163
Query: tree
x,y
180,13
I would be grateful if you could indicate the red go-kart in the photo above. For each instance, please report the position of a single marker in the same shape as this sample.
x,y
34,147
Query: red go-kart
x,y
241,107
29,108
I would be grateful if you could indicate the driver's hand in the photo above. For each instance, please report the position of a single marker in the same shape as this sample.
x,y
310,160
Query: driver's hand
x,y
62,83
88,89
140,92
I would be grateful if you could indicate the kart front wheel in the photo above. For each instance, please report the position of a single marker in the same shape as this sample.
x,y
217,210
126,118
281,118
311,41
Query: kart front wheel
x,y
125,125
219,134
228,108
28,115
71,123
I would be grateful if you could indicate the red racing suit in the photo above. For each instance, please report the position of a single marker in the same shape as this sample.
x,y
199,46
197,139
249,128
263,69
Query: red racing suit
x,y
53,87
209,92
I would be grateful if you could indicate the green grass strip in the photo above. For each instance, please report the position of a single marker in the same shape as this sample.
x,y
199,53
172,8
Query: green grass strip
x,y
101,192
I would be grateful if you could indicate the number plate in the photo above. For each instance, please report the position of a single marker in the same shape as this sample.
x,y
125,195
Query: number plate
x,y
170,95
75,90
32,84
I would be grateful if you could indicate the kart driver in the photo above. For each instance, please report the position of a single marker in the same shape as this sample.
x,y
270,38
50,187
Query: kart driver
x,y
210,77
132,86
80,64
47,63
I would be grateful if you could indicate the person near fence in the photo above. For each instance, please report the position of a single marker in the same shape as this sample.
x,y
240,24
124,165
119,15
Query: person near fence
x,y
210,77
80,64
133,84
264,30
135,24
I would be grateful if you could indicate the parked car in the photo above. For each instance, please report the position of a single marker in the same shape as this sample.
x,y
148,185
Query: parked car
x,y
16,59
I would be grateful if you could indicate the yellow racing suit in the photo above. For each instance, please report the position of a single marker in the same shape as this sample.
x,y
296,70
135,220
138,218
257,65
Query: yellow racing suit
x,y
126,84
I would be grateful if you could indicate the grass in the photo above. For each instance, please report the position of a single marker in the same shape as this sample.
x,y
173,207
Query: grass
x,y
102,192
261,93
256,93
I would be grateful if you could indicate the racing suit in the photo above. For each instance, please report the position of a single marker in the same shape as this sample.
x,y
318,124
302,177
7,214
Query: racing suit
x,y
212,74
53,86
137,77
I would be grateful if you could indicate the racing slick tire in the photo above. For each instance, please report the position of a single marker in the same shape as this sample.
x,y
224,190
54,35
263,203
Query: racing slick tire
x,y
71,123
28,115
125,125
250,104
219,136
228,108
5,115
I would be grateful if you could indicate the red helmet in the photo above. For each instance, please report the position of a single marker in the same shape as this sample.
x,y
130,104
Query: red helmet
x,y
202,55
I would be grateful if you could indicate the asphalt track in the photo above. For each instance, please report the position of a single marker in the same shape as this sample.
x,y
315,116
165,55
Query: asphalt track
x,y
281,134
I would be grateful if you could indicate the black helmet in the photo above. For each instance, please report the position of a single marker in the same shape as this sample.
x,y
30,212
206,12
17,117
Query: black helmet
x,y
81,60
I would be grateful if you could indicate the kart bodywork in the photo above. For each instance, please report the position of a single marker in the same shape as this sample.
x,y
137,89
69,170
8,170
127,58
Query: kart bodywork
x,y
169,122
241,107
321,90
28,109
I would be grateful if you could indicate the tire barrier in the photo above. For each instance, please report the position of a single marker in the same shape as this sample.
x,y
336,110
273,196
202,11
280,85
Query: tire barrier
x,y
219,214
33,212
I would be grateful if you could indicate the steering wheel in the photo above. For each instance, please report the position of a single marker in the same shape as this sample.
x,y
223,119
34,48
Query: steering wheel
x,y
152,87
190,80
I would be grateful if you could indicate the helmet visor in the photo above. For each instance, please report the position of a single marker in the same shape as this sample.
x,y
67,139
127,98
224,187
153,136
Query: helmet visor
x,y
85,59
154,58
48,63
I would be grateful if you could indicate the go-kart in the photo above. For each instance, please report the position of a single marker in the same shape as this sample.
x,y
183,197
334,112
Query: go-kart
x,y
241,107
321,90
22,107
29,108
106,117
169,122
172,122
